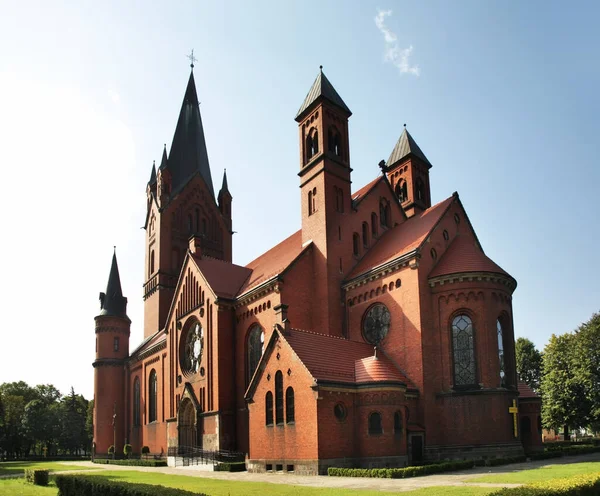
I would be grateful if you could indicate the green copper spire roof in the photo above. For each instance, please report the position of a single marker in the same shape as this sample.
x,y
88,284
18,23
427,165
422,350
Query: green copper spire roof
x,y
112,302
405,146
322,88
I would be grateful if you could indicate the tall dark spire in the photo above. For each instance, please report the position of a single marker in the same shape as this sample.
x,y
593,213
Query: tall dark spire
x,y
152,175
112,302
224,187
188,154
322,88
163,160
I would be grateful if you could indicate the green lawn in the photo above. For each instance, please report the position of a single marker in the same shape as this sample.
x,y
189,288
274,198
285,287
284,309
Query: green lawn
x,y
18,487
541,474
18,468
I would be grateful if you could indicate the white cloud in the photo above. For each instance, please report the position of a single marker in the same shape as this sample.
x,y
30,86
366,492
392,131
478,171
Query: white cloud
x,y
393,53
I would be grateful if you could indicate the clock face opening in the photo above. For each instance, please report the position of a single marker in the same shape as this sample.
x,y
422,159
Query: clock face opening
x,y
376,324
193,347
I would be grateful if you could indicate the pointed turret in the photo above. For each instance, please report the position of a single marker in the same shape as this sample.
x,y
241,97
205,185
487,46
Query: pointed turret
x,y
112,302
406,146
224,187
188,154
152,181
321,89
225,201
408,172
163,160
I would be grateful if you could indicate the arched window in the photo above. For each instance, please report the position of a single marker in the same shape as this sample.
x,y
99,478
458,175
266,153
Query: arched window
x,y
334,141
256,341
152,396
501,352
289,405
404,191
312,145
136,402
463,350
375,426
374,224
397,424
388,215
314,200
355,244
151,263
365,234
339,199
337,145
384,212
269,408
420,190
310,203
278,397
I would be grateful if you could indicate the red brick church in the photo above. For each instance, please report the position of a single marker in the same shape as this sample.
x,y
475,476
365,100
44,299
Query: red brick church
x,y
379,334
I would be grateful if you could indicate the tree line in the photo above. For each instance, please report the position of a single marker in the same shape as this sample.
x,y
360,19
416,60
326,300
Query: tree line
x,y
41,421
566,375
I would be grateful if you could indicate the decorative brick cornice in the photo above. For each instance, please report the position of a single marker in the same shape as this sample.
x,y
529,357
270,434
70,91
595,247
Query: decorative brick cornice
x,y
149,352
267,287
459,277
120,330
108,362
383,270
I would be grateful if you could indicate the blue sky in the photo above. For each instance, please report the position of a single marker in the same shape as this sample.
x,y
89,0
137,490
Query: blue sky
x,y
501,96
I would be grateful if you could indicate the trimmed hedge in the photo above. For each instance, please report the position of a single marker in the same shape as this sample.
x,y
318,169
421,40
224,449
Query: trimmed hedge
x,y
89,485
231,467
545,455
437,468
579,485
36,476
400,473
132,463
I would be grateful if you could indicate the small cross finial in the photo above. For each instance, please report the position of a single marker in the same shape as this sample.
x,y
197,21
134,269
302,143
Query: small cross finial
x,y
405,125
192,58
321,68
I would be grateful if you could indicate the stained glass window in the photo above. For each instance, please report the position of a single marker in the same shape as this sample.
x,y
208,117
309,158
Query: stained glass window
x,y
269,408
136,402
464,351
256,341
152,394
501,352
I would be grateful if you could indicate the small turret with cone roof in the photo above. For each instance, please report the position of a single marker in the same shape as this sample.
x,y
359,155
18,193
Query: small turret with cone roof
x,y
225,200
112,302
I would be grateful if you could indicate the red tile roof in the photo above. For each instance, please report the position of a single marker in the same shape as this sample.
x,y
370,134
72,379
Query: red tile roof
x,y
335,359
224,278
464,255
366,188
402,239
525,391
274,261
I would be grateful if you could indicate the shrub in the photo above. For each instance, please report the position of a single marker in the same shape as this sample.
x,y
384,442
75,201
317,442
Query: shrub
x,y
127,450
231,467
494,462
111,449
579,485
145,450
131,463
546,455
400,473
89,485
36,476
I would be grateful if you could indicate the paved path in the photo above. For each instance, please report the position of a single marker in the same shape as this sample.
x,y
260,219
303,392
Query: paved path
x,y
461,478
449,479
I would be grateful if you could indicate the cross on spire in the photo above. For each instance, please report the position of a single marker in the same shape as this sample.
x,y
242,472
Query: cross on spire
x,y
192,58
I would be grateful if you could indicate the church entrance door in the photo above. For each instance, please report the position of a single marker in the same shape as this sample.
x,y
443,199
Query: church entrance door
x,y
187,424
416,448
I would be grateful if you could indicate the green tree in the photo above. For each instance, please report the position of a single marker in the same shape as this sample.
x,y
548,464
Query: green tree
x,y
587,350
14,439
89,424
529,363
564,401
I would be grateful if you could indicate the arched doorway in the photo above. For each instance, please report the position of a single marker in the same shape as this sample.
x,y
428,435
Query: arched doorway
x,y
187,424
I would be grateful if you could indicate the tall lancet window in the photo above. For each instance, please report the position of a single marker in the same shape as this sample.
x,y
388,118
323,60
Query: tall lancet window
x,y
152,396
256,341
463,349
501,357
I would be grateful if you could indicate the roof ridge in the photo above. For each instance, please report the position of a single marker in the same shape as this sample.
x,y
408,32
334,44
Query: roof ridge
x,y
326,335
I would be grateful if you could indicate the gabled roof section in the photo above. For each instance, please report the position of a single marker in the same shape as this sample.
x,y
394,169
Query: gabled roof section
x,y
525,392
224,278
406,146
465,255
322,88
112,302
188,154
333,359
402,239
274,262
